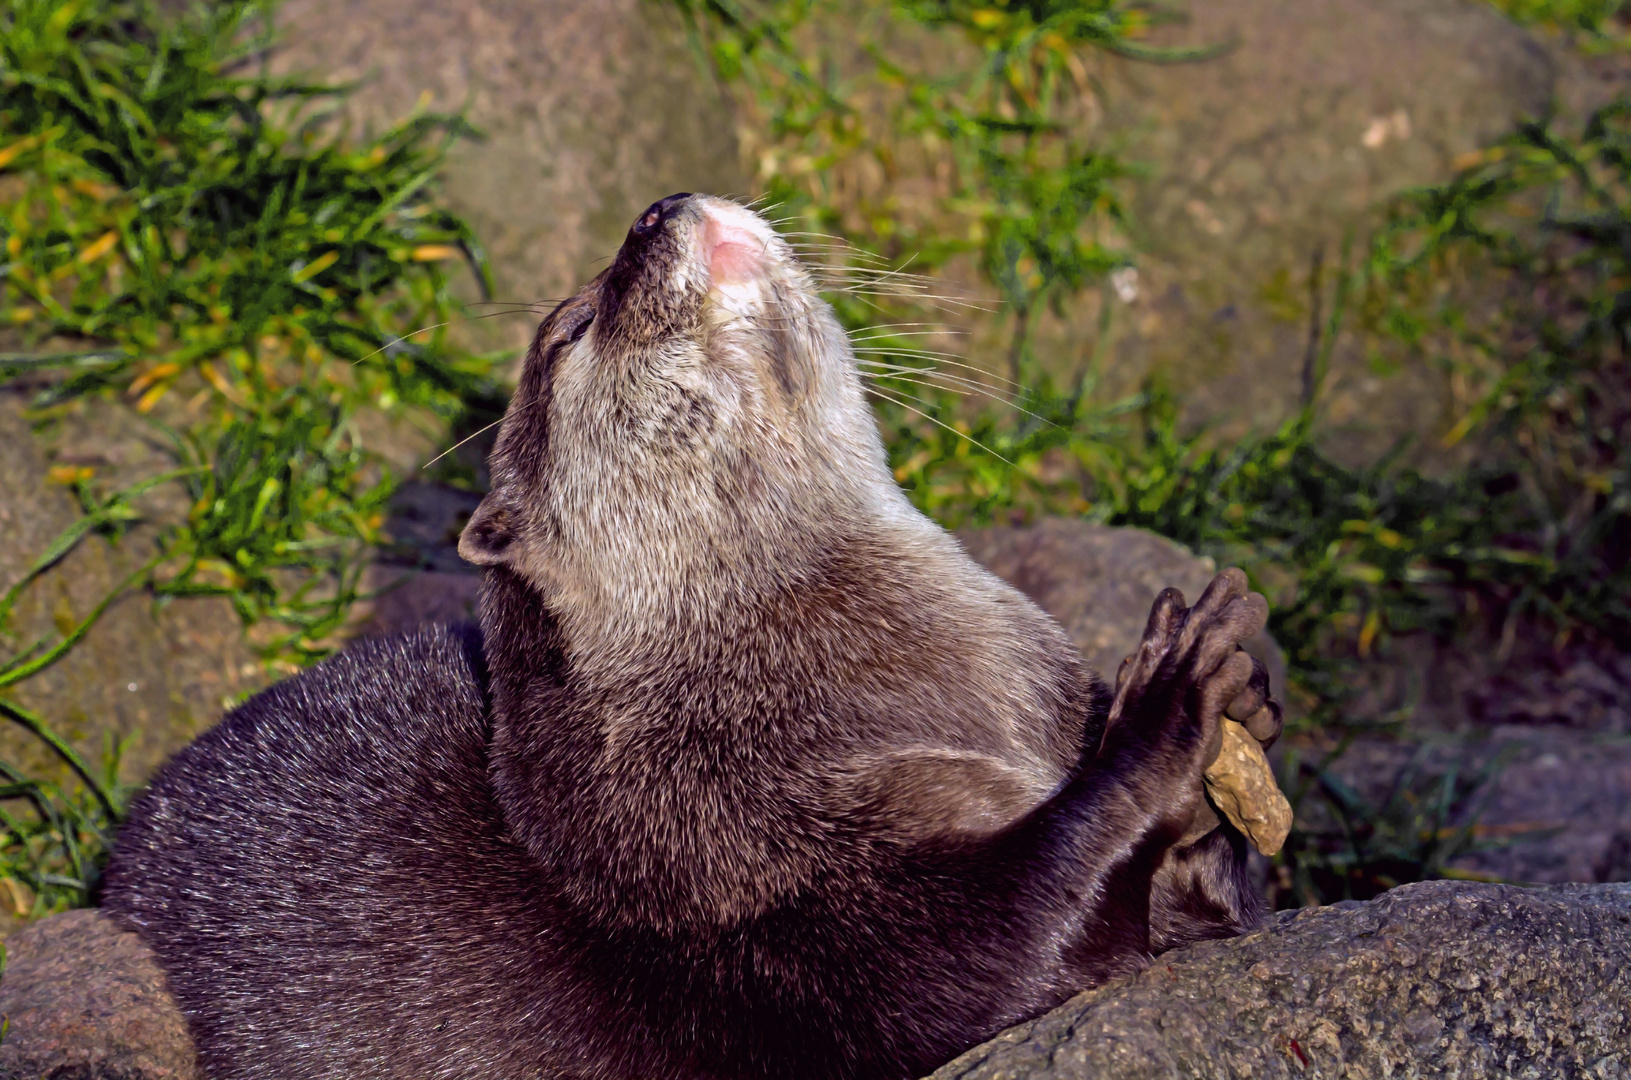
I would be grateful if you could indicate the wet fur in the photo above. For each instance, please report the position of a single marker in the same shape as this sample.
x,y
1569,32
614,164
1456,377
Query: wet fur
x,y
749,770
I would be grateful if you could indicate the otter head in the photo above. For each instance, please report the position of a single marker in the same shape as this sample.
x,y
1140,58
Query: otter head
x,y
687,427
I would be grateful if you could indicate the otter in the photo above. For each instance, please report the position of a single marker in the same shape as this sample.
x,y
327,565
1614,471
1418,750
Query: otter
x,y
747,771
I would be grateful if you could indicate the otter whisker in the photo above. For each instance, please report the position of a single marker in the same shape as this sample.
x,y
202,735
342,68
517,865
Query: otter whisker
x,y
819,242
467,438
960,384
844,248
534,305
816,242
863,296
901,269
883,345
874,276
884,329
938,358
403,339
825,262
749,203
883,349
927,377
958,302
880,369
909,291
866,345
825,265
899,273
941,423
857,278
833,237
906,290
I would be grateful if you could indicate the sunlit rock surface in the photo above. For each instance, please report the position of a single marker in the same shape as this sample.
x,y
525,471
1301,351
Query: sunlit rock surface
x,y
1445,979
85,1000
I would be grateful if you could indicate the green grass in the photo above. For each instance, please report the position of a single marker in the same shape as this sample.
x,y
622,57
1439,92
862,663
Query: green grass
x,y
1598,24
188,234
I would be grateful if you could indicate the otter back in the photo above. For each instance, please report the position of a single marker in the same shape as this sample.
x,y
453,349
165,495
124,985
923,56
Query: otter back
x,y
329,883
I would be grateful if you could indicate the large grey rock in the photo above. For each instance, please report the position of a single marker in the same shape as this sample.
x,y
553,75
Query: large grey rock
x,y
1443,979
84,1000
1556,806
1099,582
1286,146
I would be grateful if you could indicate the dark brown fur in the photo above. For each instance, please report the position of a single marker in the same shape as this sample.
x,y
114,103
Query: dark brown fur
x,y
750,772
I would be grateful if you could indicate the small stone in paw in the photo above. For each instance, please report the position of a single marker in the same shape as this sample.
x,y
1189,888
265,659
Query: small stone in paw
x,y
1243,789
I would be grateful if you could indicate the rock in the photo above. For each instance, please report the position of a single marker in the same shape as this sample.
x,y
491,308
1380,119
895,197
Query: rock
x,y
1099,582
85,1000
419,576
1442,978
1279,152
1242,788
1557,808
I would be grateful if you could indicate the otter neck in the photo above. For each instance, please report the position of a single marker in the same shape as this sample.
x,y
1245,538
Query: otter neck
x,y
714,715
697,551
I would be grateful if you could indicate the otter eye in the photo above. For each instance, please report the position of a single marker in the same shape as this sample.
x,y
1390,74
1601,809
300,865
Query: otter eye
x,y
650,219
578,330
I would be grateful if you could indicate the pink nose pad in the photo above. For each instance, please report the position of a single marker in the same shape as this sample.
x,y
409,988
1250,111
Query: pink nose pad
x,y
735,253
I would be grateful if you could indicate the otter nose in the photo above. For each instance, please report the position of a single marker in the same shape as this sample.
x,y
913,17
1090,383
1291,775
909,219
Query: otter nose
x,y
657,213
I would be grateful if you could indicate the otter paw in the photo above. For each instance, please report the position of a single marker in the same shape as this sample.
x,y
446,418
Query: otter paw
x,y
1189,665
1256,709
1191,678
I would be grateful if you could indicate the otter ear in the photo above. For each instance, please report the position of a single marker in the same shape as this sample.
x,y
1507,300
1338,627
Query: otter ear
x,y
491,534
